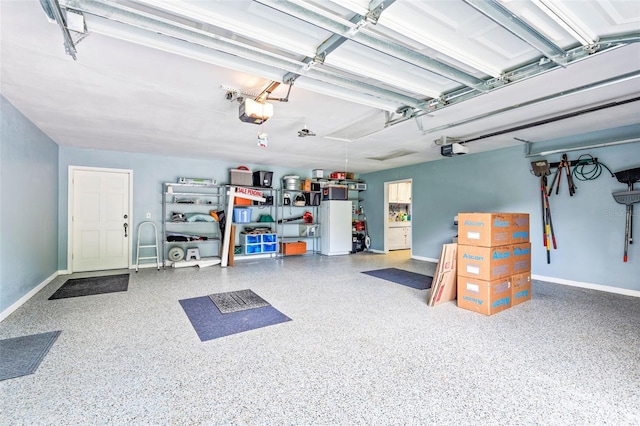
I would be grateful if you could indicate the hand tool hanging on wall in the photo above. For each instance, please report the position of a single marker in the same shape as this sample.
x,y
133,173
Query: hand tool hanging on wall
x,y
563,167
542,170
629,198
557,176
544,220
549,232
567,167
548,212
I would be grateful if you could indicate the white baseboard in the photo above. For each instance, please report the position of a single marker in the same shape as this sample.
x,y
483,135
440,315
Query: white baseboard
x,y
600,287
426,259
146,266
4,314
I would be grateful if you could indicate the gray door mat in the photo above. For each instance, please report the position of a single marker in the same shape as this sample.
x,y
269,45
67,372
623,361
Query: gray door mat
x,y
20,356
400,276
89,286
235,301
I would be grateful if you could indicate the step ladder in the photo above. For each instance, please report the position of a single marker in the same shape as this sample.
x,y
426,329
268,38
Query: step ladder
x,y
147,246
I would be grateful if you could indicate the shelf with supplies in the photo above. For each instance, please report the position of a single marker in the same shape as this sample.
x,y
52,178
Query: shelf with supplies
x,y
351,184
353,188
360,231
255,221
190,229
338,237
297,216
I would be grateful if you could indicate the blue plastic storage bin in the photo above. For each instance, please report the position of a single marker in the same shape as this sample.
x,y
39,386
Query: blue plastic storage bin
x,y
249,239
268,238
269,248
252,248
242,214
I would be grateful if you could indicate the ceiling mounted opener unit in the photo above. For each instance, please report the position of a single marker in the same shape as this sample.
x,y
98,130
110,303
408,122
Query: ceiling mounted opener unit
x,y
254,112
450,147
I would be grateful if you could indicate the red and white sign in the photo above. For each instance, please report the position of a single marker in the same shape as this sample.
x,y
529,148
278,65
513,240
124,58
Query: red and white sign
x,y
252,194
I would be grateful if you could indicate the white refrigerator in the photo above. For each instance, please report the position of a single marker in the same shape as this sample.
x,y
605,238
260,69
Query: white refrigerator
x,y
335,227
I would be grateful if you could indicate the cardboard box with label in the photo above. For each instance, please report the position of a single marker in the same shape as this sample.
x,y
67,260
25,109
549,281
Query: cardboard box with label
x,y
485,297
520,288
519,228
485,263
521,258
484,229
443,286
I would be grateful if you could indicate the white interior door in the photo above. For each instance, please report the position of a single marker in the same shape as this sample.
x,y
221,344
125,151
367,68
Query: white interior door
x,y
100,220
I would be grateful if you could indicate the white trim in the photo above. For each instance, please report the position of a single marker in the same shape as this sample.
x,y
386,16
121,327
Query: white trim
x,y
599,287
4,314
385,218
70,173
426,259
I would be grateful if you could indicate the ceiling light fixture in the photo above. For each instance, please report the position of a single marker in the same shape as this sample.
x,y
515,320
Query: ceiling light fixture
x,y
255,112
553,11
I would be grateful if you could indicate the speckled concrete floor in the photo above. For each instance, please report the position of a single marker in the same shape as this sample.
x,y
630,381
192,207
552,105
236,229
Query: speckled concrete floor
x,y
360,350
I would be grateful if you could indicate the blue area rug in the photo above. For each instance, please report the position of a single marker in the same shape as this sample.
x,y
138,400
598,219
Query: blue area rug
x,y
20,356
400,276
210,323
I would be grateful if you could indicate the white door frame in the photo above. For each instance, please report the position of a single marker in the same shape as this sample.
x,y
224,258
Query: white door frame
x,y
386,213
70,206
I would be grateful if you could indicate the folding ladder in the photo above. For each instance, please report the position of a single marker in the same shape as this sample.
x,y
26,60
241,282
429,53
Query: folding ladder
x,y
147,246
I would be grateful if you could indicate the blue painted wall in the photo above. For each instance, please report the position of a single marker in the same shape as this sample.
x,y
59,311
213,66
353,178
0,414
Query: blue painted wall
x,y
149,173
589,226
29,205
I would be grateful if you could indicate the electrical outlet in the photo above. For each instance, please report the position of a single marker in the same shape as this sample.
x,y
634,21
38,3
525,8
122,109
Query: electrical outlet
x,y
148,215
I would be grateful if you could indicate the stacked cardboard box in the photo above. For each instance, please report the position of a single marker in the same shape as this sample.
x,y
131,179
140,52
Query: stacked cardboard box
x,y
494,261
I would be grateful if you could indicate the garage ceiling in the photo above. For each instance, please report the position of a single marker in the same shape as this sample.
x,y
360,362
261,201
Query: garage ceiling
x,y
380,83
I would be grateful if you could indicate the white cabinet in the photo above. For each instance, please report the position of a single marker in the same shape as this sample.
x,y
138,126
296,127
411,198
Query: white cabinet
x,y
407,237
400,193
404,192
393,193
399,237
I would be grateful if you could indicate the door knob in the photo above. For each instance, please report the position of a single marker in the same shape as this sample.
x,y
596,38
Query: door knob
x,y
126,226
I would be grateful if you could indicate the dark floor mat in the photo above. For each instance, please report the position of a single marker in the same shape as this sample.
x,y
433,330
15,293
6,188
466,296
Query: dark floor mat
x,y
90,286
235,301
400,276
20,356
209,323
